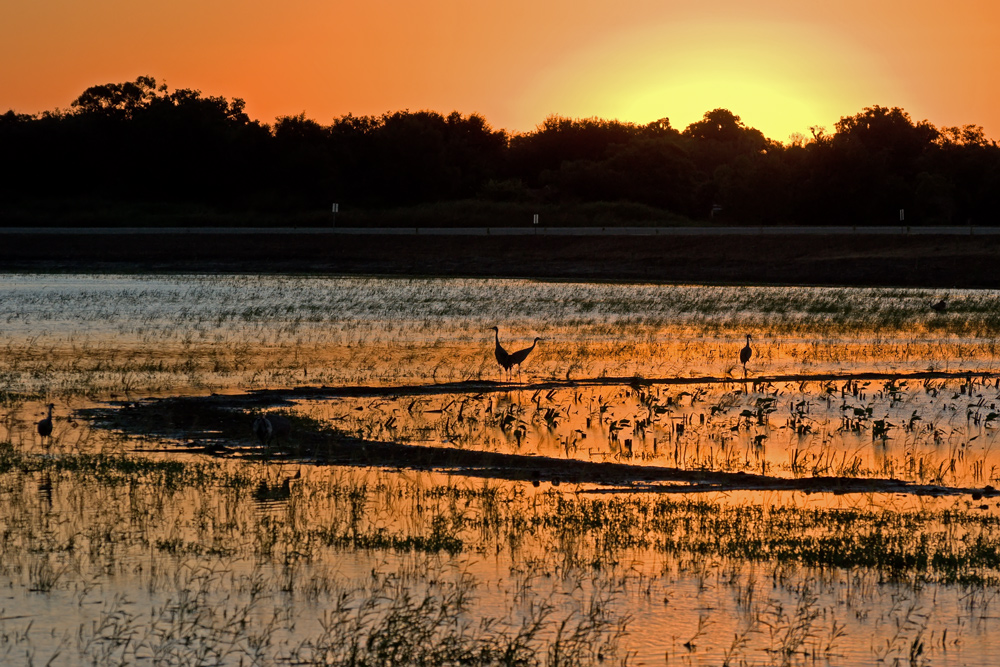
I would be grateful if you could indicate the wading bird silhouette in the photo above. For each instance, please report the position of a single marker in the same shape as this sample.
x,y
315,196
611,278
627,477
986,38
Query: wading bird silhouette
x,y
517,357
270,428
503,358
508,360
745,355
45,425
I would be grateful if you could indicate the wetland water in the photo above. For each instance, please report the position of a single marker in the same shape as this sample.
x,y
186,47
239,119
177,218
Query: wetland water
x,y
150,529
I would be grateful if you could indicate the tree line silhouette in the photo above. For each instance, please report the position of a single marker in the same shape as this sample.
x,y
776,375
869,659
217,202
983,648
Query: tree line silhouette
x,y
142,147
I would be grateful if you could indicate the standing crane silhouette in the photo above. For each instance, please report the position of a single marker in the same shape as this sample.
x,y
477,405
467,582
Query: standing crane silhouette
x,y
508,360
745,355
45,425
503,357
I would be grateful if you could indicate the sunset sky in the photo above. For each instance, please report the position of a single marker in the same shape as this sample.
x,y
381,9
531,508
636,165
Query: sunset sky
x,y
782,65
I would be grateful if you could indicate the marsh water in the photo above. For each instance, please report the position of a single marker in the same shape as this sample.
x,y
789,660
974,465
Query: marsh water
x,y
134,548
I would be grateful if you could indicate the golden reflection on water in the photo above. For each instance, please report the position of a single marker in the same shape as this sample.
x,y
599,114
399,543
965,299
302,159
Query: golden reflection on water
x,y
137,336
102,556
930,432
96,554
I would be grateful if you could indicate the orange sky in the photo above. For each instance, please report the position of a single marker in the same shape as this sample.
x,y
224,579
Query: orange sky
x,y
782,65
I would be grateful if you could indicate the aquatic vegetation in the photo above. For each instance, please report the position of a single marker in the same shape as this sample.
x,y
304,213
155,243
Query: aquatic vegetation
x,y
131,336
932,431
217,550
123,539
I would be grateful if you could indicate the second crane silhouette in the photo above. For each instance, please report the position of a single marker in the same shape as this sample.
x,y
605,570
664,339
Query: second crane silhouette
x,y
745,355
45,425
508,360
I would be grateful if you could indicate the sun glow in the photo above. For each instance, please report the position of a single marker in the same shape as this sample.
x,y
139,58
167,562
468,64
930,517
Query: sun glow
x,y
777,78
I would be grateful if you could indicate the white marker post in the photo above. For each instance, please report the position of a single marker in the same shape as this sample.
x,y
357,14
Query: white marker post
x,y
336,207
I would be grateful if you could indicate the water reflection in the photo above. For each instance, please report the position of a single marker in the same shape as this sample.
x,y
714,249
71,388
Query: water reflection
x,y
218,534
274,495
134,336
932,432
107,549
45,490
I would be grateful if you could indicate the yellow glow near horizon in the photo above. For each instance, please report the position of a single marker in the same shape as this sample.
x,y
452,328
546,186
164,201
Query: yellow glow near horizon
x,y
781,65
777,79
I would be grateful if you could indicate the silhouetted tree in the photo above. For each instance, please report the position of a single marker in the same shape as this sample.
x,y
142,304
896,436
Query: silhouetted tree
x,y
560,140
653,171
407,158
139,145
304,161
886,133
966,172
871,164
718,140
119,100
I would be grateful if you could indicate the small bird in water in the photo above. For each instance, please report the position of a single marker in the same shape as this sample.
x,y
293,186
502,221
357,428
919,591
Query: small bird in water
x,y
45,425
745,355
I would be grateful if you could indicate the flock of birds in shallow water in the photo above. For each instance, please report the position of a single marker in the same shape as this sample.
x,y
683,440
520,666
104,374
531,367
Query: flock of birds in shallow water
x,y
271,429
268,429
